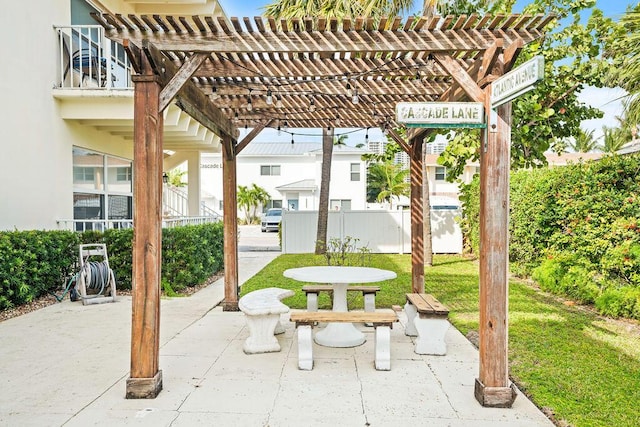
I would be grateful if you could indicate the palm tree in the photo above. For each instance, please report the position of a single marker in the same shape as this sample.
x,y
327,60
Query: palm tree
x,y
386,181
613,139
174,177
249,199
626,74
288,9
583,142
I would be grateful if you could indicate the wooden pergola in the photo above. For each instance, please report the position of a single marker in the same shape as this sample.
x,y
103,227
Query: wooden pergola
x,y
309,73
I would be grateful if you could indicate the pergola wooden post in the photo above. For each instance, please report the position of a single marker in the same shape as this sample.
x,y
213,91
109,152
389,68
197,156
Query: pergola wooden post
x,y
417,223
492,387
230,223
145,379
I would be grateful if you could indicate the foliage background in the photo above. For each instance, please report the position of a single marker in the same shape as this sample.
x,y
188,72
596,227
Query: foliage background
x,y
575,230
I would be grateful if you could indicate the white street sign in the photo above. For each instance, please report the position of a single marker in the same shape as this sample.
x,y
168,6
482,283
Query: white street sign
x,y
440,114
517,81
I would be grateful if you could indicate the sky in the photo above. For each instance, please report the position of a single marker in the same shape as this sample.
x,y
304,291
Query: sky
x,y
608,100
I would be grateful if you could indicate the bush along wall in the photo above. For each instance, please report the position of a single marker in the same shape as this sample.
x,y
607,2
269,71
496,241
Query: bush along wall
x,y
34,263
575,230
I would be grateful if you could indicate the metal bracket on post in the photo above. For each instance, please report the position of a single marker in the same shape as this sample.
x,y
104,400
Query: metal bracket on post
x,y
493,120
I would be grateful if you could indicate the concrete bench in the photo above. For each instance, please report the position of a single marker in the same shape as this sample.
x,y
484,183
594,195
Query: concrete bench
x,y
368,292
427,319
382,320
262,309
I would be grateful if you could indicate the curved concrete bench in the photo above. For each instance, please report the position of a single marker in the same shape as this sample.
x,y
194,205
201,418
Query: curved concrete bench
x,y
262,309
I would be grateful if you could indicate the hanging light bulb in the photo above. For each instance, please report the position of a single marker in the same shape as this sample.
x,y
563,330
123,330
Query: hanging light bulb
x,y
269,97
279,131
278,101
235,117
337,121
328,128
312,105
355,99
292,141
249,104
366,137
285,125
214,93
349,91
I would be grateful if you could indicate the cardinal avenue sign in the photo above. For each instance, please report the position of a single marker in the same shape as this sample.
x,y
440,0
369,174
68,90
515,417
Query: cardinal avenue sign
x,y
441,114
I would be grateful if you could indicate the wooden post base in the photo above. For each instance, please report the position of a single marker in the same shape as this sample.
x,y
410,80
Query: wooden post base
x,y
144,388
230,306
495,397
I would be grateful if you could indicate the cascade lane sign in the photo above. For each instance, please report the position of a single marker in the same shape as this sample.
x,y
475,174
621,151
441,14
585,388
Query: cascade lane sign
x,y
517,81
441,114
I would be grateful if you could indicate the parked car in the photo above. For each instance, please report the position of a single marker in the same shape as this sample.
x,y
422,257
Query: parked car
x,y
271,219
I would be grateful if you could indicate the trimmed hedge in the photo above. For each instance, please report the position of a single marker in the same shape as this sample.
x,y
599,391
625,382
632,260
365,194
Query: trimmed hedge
x,y
34,263
575,230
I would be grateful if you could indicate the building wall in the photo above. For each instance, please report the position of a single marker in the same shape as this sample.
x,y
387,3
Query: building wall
x,y
36,147
36,168
293,168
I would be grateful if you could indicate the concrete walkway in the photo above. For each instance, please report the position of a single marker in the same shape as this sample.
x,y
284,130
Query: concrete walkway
x,y
67,365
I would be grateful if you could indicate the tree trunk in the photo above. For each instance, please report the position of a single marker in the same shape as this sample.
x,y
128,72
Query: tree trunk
x,y
325,179
426,212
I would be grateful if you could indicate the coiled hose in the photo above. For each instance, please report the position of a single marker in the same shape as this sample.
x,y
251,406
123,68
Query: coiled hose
x,y
97,276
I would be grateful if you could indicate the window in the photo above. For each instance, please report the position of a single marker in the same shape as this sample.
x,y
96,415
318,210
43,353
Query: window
x,y
355,171
340,205
441,173
103,187
272,204
123,174
269,170
83,174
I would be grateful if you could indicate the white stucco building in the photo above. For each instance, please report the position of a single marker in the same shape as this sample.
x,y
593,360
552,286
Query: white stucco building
x,y
290,173
67,114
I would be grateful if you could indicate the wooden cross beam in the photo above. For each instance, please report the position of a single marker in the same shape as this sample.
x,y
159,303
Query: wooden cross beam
x,y
190,99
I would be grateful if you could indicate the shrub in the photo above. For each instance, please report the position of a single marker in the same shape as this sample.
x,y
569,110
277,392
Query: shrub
x,y
33,263
585,216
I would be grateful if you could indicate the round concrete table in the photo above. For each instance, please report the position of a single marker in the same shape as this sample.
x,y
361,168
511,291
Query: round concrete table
x,y
339,334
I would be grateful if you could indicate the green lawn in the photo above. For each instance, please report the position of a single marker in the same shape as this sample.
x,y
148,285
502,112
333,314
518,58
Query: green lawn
x,y
583,367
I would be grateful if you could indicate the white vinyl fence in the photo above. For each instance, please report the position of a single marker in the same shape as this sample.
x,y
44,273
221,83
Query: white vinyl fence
x,y
380,231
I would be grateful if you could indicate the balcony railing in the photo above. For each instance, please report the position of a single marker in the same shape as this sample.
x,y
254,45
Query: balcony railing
x,y
87,59
106,224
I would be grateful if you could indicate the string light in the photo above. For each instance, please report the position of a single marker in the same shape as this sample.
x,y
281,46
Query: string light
x,y
349,91
366,137
278,101
355,99
312,106
214,93
235,117
292,141
337,120
249,104
269,97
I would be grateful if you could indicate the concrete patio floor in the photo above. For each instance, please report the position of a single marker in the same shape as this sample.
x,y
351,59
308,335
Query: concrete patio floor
x,y
66,365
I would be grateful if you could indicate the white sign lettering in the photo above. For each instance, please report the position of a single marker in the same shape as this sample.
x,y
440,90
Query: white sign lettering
x,y
517,81
440,114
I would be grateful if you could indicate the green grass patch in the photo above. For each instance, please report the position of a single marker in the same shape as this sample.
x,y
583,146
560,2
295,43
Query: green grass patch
x,y
583,367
